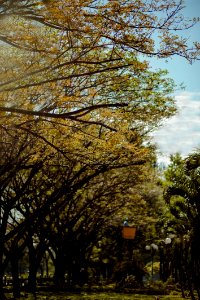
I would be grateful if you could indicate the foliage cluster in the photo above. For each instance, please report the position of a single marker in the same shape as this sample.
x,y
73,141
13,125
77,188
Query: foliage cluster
x,y
182,219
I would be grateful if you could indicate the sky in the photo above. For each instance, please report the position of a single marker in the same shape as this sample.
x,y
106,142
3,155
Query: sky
x,y
181,133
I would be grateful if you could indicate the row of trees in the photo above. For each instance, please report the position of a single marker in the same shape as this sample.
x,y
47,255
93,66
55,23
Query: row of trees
x,y
63,203
77,104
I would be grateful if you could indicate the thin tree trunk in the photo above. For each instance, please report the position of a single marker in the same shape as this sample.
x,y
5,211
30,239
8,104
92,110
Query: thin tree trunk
x,y
2,295
46,258
32,282
15,276
59,276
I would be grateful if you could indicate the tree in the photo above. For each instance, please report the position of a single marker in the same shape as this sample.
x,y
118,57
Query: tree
x,y
183,198
16,171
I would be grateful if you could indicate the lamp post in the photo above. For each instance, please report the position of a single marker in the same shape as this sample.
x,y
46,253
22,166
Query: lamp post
x,y
128,234
153,248
167,268
165,258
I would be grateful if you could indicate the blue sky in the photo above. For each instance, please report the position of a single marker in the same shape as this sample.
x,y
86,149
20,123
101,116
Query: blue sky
x,y
182,132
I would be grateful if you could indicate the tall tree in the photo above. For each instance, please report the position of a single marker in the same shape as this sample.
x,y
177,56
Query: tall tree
x,y
183,198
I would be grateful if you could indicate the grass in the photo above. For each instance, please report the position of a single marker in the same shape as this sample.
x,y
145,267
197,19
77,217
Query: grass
x,y
94,296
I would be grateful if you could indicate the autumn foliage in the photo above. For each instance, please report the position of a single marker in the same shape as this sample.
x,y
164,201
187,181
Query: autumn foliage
x,y
78,99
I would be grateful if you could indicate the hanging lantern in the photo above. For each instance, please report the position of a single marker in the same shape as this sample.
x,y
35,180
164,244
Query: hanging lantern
x,y
128,232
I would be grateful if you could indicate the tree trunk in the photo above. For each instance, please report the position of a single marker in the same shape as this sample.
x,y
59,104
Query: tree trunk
x,y
47,264
60,268
2,295
3,224
15,276
32,282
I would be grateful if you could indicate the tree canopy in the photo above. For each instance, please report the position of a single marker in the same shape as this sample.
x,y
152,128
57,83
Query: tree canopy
x,y
65,59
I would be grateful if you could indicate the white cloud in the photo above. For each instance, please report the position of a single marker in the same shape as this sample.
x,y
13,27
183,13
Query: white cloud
x,y
181,133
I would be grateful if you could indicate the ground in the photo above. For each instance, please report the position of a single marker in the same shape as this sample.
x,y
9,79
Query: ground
x,y
94,296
